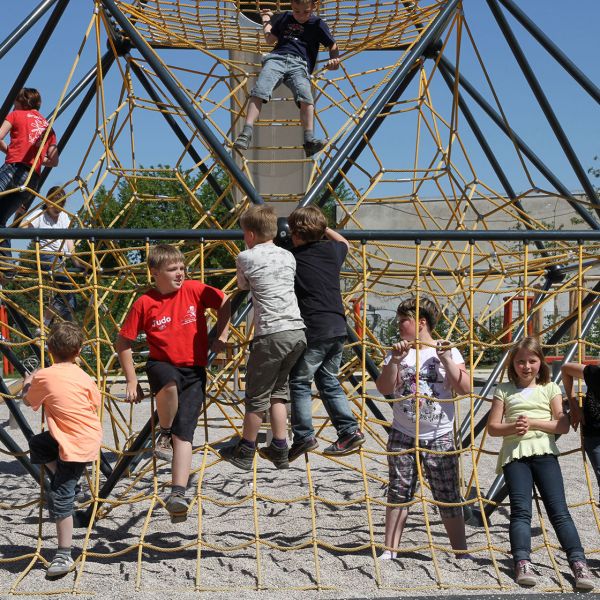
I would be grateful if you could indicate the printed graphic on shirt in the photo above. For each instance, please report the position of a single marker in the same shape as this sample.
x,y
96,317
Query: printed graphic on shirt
x,y
190,316
161,324
293,31
37,129
431,385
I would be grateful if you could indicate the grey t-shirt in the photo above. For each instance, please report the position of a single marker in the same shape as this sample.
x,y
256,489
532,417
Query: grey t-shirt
x,y
268,272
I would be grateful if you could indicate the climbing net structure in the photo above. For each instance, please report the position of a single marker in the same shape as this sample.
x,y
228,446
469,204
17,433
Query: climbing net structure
x,y
401,176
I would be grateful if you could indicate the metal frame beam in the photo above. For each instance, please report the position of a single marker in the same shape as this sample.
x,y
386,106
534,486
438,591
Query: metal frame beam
x,y
545,105
561,58
562,189
182,99
25,25
33,57
432,33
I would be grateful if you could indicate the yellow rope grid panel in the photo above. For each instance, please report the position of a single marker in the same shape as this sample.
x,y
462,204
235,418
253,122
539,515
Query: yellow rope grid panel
x,y
318,525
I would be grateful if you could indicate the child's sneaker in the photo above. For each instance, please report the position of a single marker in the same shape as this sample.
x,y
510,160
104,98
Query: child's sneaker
x,y
313,146
278,456
61,564
300,448
524,574
583,577
163,448
177,504
242,141
239,455
388,555
346,444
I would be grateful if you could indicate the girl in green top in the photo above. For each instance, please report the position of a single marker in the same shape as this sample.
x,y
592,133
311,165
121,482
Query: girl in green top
x,y
527,412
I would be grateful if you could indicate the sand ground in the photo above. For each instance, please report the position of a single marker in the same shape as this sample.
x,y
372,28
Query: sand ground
x,y
271,544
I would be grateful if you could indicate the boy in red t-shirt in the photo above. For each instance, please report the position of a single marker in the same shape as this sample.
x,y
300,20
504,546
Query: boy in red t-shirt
x,y
172,317
27,128
71,401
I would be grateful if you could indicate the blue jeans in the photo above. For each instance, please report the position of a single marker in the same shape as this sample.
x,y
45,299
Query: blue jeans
x,y
286,68
321,361
13,175
591,444
544,472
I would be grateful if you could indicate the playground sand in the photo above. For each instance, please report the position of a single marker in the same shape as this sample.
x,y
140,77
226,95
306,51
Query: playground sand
x,y
157,558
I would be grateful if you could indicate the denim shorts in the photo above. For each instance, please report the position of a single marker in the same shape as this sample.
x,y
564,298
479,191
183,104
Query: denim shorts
x,y
288,69
191,391
13,176
44,449
440,470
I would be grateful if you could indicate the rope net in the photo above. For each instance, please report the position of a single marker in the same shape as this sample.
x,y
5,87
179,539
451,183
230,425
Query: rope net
x,y
319,525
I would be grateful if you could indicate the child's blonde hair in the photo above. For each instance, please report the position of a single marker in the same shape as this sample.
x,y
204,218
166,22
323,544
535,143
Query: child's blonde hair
x,y
531,344
427,310
162,255
65,340
261,220
308,223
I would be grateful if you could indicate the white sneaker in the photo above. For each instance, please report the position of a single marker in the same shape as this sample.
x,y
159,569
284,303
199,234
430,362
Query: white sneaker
x,y
388,555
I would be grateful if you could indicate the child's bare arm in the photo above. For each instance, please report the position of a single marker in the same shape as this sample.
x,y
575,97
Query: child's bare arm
x,y
125,355
265,15
26,385
570,371
386,382
559,423
4,131
456,373
330,234
222,326
495,426
51,158
334,58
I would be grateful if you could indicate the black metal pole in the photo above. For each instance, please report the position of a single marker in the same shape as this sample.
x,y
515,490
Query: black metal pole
x,y
33,57
186,142
107,61
545,105
188,108
35,15
379,119
518,141
563,60
17,451
487,150
432,33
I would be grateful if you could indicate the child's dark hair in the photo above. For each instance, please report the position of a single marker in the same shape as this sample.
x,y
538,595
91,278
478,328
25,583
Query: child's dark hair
x,y
65,340
56,195
308,223
427,310
531,344
29,98
261,220
162,255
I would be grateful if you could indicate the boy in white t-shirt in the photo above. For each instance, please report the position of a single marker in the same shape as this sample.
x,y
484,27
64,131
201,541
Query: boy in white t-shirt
x,y
53,253
419,415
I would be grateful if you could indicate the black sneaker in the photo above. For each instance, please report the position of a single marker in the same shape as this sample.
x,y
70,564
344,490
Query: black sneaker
x,y
278,456
242,141
239,455
302,447
346,444
314,146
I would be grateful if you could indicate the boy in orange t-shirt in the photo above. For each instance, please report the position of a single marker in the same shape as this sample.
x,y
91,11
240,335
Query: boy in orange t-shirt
x,y
71,401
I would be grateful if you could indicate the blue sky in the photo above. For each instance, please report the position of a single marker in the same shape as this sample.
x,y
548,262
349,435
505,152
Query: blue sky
x,y
574,30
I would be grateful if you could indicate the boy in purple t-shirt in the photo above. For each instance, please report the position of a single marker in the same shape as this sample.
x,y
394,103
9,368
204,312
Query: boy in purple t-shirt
x,y
297,36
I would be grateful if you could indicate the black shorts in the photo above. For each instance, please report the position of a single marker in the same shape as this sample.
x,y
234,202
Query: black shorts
x,y
191,391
